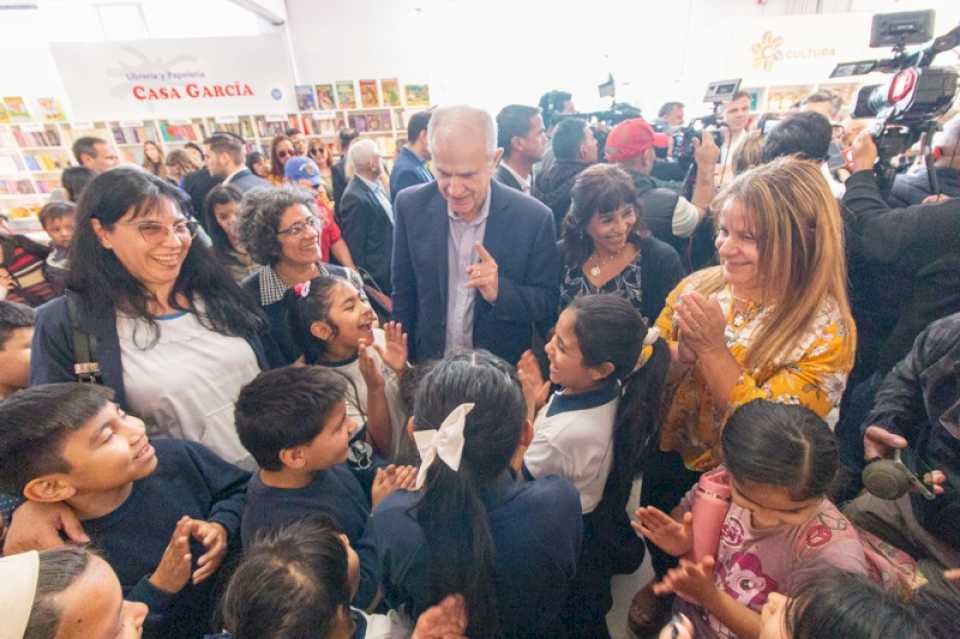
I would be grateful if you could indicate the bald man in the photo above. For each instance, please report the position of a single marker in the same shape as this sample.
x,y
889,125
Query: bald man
x,y
475,263
914,187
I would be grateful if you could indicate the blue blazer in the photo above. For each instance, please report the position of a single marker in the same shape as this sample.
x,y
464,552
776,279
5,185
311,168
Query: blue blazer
x,y
246,180
521,238
52,357
408,170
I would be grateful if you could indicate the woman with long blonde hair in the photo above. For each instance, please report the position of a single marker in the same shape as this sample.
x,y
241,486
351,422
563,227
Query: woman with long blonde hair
x,y
772,321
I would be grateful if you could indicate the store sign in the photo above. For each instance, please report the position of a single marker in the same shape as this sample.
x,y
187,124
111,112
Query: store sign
x,y
176,78
771,49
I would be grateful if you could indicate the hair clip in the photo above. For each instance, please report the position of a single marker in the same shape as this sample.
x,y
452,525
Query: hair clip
x,y
445,442
302,289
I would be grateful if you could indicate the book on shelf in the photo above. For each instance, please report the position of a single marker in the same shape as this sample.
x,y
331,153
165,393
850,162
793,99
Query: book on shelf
x,y
346,95
325,97
51,110
306,99
11,163
46,161
418,95
391,92
35,138
16,108
21,186
47,184
369,94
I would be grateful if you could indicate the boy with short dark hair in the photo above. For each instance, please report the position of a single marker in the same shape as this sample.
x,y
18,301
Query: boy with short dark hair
x,y
294,423
16,334
58,219
162,512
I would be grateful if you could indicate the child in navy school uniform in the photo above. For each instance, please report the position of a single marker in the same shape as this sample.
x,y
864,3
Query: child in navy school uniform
x,y
336,328
163,513
298,581
294,423
594,432
510,548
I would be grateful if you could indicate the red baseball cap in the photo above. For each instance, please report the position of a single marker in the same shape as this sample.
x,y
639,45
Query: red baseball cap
x,y
629,139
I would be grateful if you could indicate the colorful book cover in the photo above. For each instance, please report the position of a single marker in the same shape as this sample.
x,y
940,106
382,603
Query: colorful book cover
x,y
391,92
369,95
325,99
418,95
346,95
51,110
4,114
306,100
16,108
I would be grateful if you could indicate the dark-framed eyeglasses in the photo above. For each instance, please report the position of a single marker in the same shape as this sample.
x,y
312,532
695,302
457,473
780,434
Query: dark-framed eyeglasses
x,y
297,229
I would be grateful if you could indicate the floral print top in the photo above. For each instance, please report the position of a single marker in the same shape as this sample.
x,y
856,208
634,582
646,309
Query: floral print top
x,y
813,374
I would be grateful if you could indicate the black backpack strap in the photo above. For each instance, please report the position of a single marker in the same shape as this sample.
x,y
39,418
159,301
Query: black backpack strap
x,y
85,364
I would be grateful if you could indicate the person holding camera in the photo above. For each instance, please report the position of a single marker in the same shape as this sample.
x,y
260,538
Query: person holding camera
x,y
917,412
904,266
914,187
671,217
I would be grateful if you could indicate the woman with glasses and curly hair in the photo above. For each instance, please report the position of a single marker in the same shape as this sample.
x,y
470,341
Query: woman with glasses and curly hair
x,y
281,230
161,315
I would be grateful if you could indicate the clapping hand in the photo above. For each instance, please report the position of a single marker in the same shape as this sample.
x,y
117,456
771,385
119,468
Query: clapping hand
x,y
173,571
671,536
692,580
701,322
484,275
446,620
390,479
394,353
535,389
369,367
213,536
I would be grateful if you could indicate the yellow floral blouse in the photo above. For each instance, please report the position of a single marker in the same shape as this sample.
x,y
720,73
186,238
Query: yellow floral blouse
x,y
813,375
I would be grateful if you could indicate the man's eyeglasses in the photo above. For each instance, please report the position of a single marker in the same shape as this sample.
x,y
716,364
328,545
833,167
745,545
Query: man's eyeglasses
x,y
155,232
296,230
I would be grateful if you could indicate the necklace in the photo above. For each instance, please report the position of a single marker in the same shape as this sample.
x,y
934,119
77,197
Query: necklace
x,y
599,262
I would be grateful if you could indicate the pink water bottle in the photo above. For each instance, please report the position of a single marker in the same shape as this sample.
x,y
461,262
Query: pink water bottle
x,y
710,505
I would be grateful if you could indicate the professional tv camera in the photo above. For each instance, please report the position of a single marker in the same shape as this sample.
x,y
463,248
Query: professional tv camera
x,y
905,108
718,93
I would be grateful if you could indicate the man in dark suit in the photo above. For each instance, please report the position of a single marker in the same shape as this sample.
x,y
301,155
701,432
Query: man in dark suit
x,y
198,184
225,160
475,264
523,139
410,167
367,215
339,169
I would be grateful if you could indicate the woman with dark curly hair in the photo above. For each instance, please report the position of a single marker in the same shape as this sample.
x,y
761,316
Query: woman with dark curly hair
x,y
606,247
171,332
280,229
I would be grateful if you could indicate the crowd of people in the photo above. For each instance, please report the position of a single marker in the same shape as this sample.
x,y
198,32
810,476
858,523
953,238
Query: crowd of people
x,y
277,394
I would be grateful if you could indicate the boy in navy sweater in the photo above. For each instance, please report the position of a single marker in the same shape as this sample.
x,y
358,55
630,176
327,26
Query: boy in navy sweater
x,y
163,513
294,422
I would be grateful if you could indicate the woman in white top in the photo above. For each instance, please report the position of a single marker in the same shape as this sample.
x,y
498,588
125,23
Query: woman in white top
x,y
168,328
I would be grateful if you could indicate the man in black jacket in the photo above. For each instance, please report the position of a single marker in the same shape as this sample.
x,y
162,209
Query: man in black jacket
x,y
339,169
367,215
575,148
913,188
670,216
917,411
523,138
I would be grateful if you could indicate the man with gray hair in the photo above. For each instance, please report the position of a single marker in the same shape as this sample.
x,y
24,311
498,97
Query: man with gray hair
x,y
366,215
475,263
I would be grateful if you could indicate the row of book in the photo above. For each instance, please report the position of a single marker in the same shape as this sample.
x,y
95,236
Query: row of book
x,y
47,137
16,187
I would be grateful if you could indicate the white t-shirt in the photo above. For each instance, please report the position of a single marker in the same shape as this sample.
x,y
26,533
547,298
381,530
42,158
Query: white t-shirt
x,y
392,625
573,439
357,402
185,385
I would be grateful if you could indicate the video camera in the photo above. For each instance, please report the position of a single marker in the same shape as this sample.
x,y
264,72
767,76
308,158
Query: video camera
x,y
718,93
905,108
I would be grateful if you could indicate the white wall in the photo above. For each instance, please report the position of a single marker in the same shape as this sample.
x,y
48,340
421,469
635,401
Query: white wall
x,y
498,51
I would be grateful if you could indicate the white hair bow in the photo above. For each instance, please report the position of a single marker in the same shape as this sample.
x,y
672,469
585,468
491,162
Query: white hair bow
x,y
446,442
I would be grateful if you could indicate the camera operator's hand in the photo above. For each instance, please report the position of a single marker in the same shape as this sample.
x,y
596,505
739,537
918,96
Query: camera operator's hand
x,y
864,152
880,442
706,153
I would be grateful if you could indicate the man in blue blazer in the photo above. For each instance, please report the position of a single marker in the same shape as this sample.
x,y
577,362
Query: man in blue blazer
x,y
226,160
475,263
410,167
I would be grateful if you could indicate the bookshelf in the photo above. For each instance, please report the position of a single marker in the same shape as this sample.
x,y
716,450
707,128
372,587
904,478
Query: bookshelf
x,y
33,154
